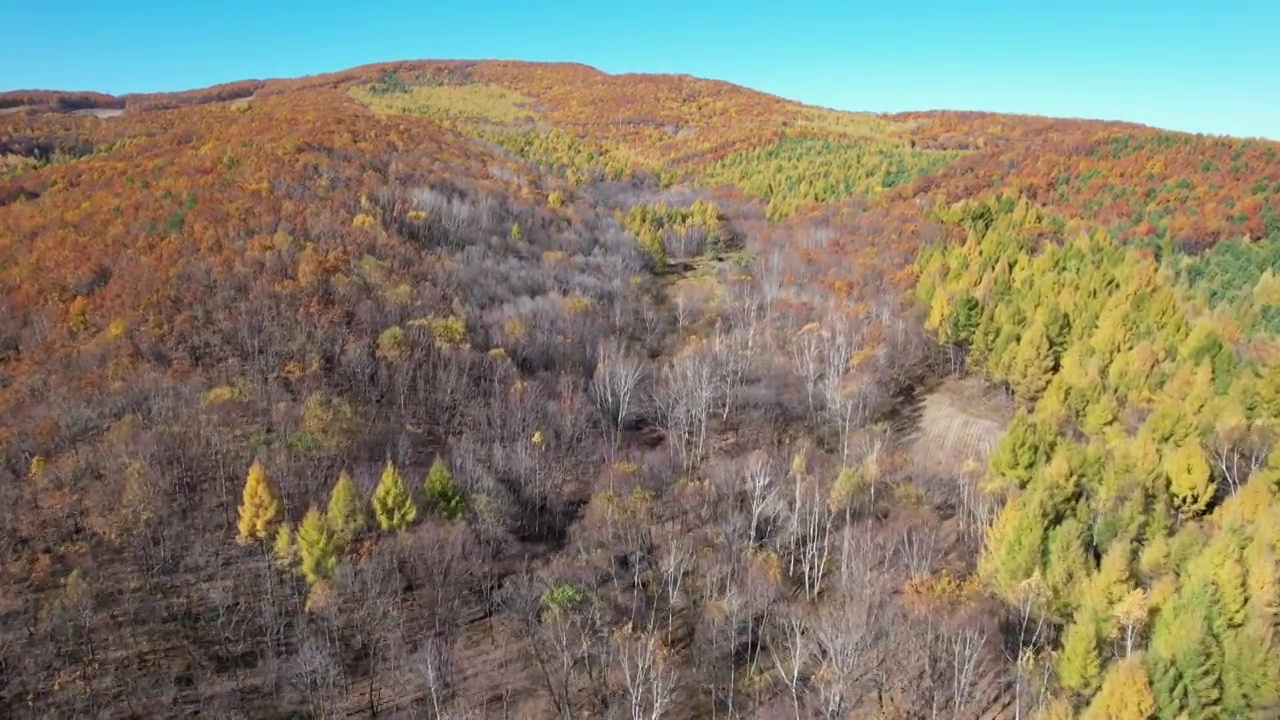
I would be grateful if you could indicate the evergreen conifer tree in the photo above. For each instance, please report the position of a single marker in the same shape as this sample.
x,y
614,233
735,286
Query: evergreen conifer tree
x,y
1125,693
1078,666
1190,478
1033,364
283,550
317,547
260,506
346,514
393,506
442,494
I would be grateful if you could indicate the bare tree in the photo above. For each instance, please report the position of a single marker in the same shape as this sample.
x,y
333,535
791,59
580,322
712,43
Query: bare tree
x,y
320,672
745,314
918,548
815,518
726,629
1029,636
368,619
729,358
684,404
435,668
846,643
977,508
647,672
760,482
871,452
856,567
558,629
807,542
674,565
442,560
1238,451
520,597
845,397
965,646
615,386
688,308
806,352
792,649
770,277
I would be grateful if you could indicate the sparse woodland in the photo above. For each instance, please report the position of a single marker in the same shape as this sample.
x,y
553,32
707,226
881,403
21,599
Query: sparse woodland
x,y
505,390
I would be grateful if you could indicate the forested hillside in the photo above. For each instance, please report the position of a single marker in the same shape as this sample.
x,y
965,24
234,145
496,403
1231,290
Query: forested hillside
x,y
1137,486
470,390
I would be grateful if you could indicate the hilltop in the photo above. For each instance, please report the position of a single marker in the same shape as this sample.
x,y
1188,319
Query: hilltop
x,y
651,396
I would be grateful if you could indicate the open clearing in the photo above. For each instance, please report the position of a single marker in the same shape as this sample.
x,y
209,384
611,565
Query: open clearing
x,y
960,423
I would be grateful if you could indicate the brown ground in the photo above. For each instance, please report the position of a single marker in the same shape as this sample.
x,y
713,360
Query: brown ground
x,y
960,423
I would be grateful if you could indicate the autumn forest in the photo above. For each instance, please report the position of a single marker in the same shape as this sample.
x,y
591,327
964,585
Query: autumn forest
x,y
514,390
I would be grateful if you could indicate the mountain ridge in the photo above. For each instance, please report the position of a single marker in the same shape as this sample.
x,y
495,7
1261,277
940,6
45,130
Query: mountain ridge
x,y
41,98
739,118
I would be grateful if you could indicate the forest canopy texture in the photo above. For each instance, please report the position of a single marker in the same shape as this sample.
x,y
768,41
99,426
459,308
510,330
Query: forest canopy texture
x,y
489,390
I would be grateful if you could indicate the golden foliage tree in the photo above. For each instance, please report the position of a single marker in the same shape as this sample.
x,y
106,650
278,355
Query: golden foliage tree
x,y
393,506
441,492
317,547
260,506
1190,478
1130,614
1125,693
1078,666
346,514
1032,365
283,550
393,344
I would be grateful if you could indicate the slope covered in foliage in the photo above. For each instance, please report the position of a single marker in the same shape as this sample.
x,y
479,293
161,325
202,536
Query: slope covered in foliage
x,y
455,389
1138,490
1138,183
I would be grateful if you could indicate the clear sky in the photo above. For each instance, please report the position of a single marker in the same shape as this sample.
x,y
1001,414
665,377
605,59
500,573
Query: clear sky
x,y
1199,65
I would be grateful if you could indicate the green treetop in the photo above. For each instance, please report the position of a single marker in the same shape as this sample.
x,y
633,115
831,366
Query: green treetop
x,y
346,514
393,506
317,547
441,492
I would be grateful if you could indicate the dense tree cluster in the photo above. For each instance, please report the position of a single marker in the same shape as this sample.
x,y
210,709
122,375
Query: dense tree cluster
x,y
563,153
1237,280
674,119
473,102
675,232
1133,181
1139,487
799,170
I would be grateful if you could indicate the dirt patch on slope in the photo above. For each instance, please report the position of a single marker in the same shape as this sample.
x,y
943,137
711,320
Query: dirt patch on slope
x,y
100,112
960,423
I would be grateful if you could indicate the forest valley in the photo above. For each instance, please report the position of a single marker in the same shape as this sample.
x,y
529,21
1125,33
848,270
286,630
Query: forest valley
x,y
514,390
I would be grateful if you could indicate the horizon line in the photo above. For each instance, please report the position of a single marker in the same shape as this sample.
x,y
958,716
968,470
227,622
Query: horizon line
x,y
933,110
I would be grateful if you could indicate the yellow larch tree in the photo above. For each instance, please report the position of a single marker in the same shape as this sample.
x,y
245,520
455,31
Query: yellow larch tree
x,y
283,550
1125,693
393,506
1190,478
346,514
260,506
317,547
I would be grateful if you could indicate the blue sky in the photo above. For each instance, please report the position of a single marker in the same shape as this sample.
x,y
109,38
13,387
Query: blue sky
x,y
1202,66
